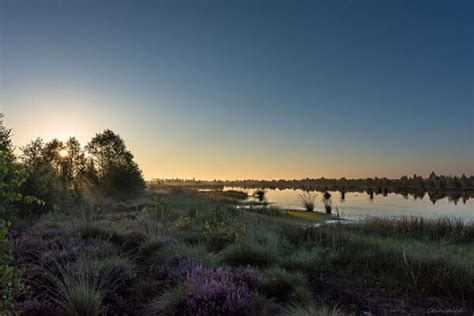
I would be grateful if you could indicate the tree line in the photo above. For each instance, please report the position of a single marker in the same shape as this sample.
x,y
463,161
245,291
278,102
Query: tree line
x,y
57,174
433,182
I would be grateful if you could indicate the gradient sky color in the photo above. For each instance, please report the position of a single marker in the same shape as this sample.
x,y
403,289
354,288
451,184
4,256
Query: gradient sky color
x,y
248,89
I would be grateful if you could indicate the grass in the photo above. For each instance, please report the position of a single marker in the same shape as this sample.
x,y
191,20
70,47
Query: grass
x,y
312,310
302,259
285,286
429,268
307,200
138,248
77,289
311,216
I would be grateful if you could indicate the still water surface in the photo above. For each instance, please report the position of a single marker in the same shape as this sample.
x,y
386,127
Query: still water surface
x,y
357,205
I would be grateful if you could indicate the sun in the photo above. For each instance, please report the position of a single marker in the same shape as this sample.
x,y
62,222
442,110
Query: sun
x,y
63,153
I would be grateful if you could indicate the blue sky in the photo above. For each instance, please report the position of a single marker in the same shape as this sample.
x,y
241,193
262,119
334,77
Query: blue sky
x,y
248,89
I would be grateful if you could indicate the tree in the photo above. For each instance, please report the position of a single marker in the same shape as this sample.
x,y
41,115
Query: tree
x,y
76,158
117,172
11,176
43,179
6,146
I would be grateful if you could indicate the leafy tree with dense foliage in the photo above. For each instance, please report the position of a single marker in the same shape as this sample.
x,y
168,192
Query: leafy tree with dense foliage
x,y
43,176
118,174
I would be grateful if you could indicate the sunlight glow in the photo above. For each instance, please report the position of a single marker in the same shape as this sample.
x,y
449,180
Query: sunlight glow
x,y
63,153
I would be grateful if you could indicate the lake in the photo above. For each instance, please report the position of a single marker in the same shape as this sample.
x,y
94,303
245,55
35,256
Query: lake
x,y
357,205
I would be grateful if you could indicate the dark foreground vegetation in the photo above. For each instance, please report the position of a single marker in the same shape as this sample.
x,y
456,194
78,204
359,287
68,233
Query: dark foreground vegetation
x,y
183,252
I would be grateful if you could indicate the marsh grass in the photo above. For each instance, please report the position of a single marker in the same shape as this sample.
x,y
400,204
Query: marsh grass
x,y
311,216
308,200
416,267
262,305
304,260
171,301
267,211
445,228
77,288
408,256
285,286
312,310
259,247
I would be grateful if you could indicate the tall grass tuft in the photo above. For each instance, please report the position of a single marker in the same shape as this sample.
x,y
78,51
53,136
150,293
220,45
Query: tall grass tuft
x,y
311,310
308,200
77,288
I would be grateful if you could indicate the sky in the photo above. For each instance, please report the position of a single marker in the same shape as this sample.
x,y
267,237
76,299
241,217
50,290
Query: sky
x,y
248,89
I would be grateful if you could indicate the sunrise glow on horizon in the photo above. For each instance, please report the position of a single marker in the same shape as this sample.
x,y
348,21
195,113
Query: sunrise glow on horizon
x,y
248,90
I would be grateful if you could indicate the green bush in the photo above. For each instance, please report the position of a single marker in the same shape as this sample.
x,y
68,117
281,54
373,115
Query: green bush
x,y
220,226
10,277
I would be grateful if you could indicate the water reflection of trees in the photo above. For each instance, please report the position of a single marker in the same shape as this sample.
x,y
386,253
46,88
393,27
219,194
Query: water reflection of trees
x,y
437,187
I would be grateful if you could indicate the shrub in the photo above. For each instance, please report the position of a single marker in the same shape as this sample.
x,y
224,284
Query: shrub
x,y
10,277
260,195
35,307
219,225
208,291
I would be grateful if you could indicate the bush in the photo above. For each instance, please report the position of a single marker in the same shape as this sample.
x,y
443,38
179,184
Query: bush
x,y
35,307
208,291
10,277
219,225
45,184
